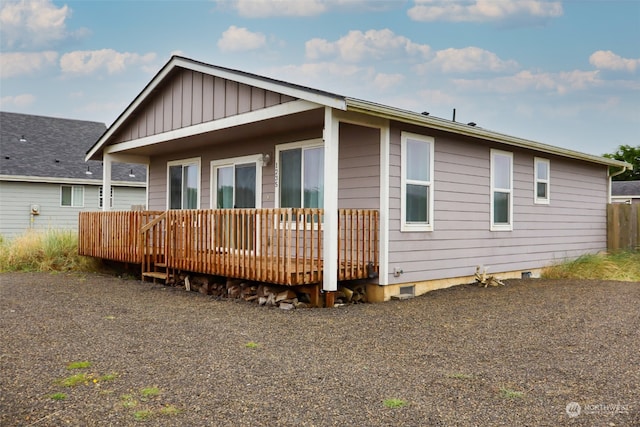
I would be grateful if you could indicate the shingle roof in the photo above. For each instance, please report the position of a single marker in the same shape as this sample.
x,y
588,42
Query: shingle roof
x,y
625,188
55,148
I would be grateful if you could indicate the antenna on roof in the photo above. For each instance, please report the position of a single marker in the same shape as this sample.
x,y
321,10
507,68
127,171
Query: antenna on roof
x,y
454,115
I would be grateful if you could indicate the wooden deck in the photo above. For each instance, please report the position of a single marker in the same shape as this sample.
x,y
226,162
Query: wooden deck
x,y
282,246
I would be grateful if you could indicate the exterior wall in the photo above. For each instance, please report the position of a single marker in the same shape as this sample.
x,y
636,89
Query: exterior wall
x,y
230,149
191,98
359,167
126,198
16,199
573,223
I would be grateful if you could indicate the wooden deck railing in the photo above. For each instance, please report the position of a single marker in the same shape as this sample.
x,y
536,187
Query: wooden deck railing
x,y
270,245
113,235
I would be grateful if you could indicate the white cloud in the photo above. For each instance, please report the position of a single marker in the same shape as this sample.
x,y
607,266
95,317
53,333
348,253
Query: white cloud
x,y
483,10
20,101
471,59
267,8
240,40
384,81
357,46
32,23
19,64
607,60
560,83
91,61
309,73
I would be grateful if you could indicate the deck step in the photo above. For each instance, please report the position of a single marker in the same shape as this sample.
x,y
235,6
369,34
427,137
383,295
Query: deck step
x,y
155,275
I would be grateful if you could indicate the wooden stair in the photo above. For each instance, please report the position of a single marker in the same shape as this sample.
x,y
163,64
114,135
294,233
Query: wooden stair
x,y
160,272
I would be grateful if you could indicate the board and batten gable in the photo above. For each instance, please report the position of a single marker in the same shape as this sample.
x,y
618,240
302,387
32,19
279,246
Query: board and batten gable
x,y
190,98
573,223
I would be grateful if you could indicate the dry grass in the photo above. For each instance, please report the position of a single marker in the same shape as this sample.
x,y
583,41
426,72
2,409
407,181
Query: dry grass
x,y
52,250
623,266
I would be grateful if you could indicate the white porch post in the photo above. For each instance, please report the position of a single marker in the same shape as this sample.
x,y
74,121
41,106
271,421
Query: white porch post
x,y
330,227
383,277
106,181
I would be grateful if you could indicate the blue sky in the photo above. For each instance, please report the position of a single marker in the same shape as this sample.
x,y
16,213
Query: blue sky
x,y
565,73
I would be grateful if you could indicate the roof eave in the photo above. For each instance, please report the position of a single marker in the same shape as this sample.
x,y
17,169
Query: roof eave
x,y
384,111
296,91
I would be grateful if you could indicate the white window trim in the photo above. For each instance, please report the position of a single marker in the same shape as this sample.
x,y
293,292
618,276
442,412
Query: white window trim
x,y
72,205
184,162
256,158
509,226
412,226
311,143
536,199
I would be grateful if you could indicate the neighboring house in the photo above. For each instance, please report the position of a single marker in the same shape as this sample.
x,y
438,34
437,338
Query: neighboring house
x,y
44,179
450,196
625,192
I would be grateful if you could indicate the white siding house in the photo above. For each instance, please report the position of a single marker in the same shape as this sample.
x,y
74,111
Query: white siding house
x,y
44,179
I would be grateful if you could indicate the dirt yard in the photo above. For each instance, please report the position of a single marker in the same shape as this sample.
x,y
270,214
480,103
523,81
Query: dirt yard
x,y
531,353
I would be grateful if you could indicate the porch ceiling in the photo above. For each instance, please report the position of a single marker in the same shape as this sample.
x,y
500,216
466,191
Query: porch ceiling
x,y
276,126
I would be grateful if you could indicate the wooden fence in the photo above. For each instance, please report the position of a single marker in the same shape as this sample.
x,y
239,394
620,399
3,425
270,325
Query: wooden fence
x,y
623,227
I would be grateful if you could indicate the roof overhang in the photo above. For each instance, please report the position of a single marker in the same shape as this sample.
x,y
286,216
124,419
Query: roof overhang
x,y
387,112
296,91
70,181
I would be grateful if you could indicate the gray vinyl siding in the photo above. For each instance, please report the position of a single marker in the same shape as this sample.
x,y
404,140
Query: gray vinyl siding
x,y
573,223
359,167
190,98
16,199
126,198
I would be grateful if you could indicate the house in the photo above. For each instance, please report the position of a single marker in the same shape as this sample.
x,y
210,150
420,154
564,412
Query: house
x,y
625,192
44,179
261,179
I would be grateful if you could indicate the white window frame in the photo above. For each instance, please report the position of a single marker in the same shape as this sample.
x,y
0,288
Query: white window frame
x,y
501,226
73,201
101,197
184,162
536,180
311,143
404,224
215,164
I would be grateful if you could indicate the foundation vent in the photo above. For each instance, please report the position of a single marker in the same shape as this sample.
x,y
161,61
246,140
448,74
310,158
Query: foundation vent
x,y
406,292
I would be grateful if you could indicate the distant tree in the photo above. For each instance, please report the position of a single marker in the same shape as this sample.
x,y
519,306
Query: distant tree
x,y
628,154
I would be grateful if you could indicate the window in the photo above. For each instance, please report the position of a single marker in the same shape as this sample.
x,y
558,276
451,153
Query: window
x,y
100,197
541,181
183,183
236,183
300,175
72,195
501,190
417,182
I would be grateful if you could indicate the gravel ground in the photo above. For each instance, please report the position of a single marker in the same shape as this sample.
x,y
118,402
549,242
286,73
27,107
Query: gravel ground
x,y
464,356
